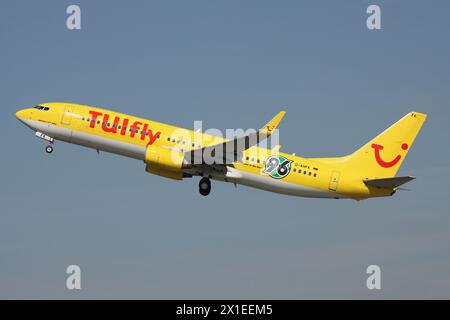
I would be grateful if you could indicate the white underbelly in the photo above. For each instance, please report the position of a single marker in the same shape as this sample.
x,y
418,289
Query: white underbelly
x,y
274,185
88,140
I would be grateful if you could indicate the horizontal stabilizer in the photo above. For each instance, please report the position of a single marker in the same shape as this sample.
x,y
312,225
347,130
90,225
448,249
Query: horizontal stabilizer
x,y
388,183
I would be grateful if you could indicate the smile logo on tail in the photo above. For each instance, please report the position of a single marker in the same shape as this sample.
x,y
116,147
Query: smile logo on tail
x,y
386,164
277,167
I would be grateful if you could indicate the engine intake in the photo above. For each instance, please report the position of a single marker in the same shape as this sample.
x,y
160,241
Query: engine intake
x,y
164,162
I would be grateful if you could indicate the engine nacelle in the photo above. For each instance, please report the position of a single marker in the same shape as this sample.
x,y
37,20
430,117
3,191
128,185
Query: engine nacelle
x,y
164,162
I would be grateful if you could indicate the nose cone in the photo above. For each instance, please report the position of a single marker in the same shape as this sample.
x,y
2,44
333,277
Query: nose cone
x,y
23,116
20,114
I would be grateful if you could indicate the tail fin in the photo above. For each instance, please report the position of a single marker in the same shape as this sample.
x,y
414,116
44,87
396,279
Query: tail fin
x,y
383,156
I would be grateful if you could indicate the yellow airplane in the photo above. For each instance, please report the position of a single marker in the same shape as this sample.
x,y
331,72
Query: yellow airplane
x,y
177,153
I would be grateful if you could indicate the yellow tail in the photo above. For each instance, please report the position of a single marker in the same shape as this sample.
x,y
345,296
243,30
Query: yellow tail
x,y
383,156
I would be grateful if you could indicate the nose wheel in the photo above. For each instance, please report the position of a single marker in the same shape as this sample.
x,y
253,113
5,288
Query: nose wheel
x,y
204,186
50,140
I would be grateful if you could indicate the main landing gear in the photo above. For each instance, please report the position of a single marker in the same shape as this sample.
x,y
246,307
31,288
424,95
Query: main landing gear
x,y
204,186
49,149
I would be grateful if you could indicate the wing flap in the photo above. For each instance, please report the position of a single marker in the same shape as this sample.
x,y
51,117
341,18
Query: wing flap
x,y
388,183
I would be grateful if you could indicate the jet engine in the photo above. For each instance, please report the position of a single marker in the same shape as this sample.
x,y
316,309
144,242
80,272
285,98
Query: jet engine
x,y
164,162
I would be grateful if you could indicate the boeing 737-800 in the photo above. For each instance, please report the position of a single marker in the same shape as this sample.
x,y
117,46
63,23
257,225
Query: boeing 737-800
x,y
177,153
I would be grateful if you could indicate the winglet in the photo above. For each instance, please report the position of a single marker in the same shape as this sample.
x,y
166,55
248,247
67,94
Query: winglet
x,y
273,124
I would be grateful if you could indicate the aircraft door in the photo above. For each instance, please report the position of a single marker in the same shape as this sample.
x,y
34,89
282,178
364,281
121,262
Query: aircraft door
x,y
67,115
334,181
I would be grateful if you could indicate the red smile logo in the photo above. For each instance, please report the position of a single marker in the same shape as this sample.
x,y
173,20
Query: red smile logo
x,y
386,164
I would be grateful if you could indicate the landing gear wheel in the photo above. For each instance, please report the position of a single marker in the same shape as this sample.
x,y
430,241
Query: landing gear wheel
x,y
204,186
49,149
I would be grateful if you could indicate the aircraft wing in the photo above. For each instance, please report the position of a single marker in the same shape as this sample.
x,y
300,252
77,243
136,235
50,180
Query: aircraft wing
x,y
231,150
388,183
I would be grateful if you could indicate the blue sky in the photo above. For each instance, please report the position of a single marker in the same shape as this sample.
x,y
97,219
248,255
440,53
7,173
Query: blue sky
x,y
231,64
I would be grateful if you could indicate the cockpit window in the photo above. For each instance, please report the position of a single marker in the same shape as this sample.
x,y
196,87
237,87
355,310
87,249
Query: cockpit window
x,y
42,108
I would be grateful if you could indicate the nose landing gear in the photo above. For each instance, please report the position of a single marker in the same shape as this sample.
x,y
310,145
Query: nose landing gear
x,y
204,186
49,148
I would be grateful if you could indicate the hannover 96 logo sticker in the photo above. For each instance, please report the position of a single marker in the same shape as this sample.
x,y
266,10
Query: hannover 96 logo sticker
x,y
277,167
